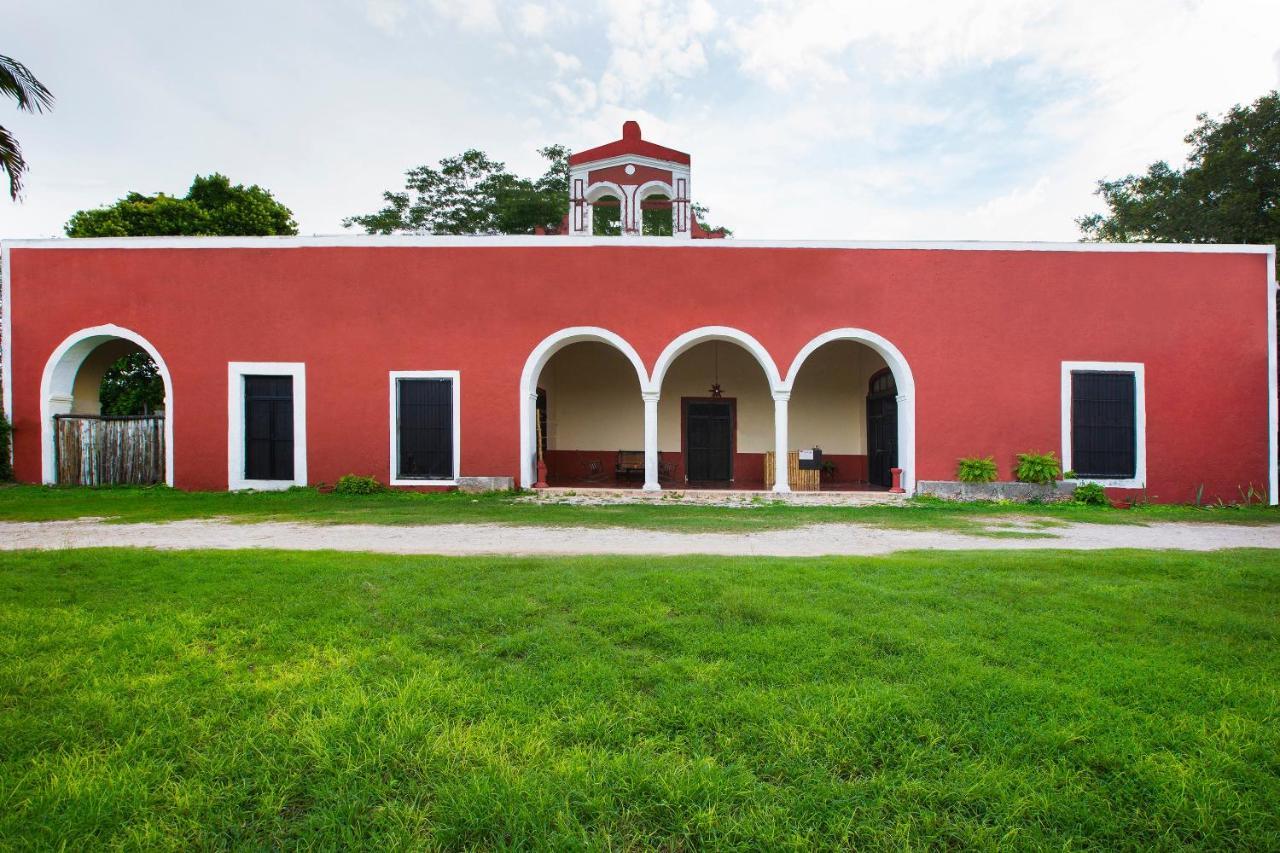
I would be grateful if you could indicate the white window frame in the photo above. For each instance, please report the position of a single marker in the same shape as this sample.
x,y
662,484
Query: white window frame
x,y
236,372
1138,369
455,377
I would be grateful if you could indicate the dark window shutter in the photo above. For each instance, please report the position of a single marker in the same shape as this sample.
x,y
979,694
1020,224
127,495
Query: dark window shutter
x,y
268,427
425,415
1103,425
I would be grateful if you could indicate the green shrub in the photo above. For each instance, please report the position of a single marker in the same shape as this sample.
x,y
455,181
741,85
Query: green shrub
x,y
976,469
1091,494
354,484
1068,474
6,466
1042,468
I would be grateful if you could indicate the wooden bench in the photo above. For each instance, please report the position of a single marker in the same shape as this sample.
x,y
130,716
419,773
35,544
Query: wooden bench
x,y
629,462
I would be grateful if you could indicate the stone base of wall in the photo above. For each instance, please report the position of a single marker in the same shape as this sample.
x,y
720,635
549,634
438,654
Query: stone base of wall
x,y
486,484
954,490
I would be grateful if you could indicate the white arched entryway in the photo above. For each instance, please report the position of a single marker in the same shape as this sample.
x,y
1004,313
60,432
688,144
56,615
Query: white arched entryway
x,y
757,351
538,359
902,376
57,386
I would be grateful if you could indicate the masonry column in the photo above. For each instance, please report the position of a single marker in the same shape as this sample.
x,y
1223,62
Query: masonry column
x,y
781,476
651,441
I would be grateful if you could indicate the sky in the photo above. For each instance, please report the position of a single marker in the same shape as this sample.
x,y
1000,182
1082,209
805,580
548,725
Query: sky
x,y
815,119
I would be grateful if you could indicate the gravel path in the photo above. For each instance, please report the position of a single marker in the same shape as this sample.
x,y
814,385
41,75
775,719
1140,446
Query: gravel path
x,y
463,539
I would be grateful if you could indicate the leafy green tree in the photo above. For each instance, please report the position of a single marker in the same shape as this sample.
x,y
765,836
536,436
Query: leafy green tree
x,y
213,206
17,81
472,193
1228,191
132,386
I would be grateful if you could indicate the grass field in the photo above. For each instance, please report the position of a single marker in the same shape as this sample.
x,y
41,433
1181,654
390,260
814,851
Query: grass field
x,y
40,503
1117,700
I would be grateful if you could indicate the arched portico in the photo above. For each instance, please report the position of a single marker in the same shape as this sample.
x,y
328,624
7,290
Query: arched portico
x,y
57,388
703,335
537,360
902,375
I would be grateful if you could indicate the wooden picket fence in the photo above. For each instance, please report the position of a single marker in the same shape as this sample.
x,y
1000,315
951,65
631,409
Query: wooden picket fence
x,y
100,451
801,480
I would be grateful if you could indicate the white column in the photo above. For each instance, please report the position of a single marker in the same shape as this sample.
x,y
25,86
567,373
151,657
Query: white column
x,y
907,442
651,441
630,218
781,477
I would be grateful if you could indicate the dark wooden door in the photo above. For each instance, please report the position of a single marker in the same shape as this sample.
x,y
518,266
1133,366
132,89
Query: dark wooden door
x,y
268,427
882,429
709,441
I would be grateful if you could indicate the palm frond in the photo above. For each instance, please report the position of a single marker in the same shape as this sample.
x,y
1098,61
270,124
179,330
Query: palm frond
x,y
11,162
17,81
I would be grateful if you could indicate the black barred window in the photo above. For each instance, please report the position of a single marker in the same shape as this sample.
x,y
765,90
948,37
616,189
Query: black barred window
x,y
1103,425
268,427
425,415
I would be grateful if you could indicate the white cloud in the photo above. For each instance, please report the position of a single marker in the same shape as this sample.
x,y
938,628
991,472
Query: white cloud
x,y
478,16
386,15
565,63
653,43
533,19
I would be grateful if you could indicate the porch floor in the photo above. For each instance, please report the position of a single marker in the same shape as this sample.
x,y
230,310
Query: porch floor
x,y
734,486
595,494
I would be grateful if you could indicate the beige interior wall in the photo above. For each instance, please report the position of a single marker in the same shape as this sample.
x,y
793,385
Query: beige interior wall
x,y
740,376
829,401
594,403
84,392
593,399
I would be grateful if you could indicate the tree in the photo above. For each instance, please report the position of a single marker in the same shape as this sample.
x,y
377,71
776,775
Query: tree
x,y
211,207
17,81
472,193
1228,192
132,385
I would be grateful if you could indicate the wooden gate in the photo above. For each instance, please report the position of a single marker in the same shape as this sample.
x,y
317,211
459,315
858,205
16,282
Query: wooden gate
x,y
100,451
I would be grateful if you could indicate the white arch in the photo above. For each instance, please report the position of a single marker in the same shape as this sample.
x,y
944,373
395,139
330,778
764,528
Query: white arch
x,y
601,189
651,188
902,377
538,359
58,381
694,337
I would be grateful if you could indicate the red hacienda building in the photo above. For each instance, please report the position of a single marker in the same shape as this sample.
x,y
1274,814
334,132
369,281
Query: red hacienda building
x,y
653,358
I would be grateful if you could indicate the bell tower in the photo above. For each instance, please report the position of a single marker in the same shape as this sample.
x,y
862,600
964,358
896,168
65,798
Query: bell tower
x,y
639,174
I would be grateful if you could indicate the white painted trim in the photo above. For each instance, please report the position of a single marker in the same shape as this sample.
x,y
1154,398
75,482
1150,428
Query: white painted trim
x,y
533,365
1273,383
694,337
236,371
57,384
1139,371
624,159
903,378
455,377
428,241
6,340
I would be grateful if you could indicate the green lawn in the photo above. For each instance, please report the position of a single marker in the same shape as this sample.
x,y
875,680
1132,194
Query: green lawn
x,y
257,699
40,503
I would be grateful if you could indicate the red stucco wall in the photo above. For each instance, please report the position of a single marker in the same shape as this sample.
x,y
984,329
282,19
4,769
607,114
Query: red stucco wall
x,y
984,332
